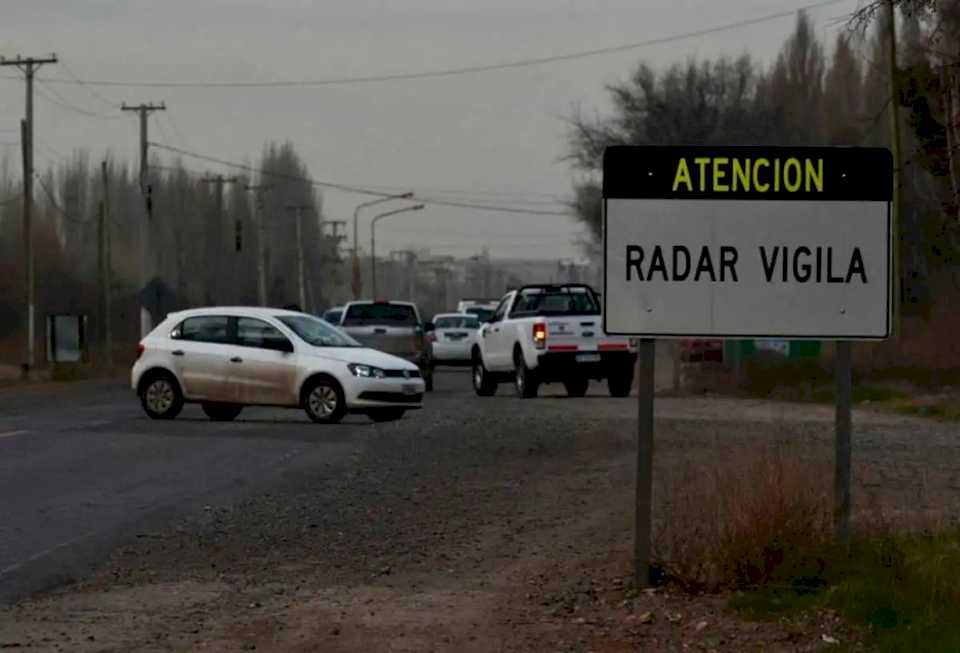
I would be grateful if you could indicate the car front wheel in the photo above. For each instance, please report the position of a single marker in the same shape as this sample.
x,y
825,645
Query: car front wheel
x,y
160,396
324,402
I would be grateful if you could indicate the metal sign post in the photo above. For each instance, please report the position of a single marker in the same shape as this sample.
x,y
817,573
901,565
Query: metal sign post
x,y
746,242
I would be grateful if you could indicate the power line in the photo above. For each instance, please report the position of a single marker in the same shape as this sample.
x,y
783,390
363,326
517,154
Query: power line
x,y
52,96
356,189
53,202
464,70
92,91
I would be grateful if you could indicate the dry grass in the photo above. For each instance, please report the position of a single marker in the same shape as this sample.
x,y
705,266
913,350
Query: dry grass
x,y
733,521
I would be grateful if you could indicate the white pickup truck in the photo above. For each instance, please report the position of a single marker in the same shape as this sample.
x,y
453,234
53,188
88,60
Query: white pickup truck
x,y
546,334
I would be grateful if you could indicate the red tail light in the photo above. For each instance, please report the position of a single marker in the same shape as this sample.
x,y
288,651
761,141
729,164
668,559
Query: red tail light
x,y
539,335
140,349
431,337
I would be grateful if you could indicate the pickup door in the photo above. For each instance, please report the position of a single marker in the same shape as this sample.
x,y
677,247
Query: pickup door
x,y
391,328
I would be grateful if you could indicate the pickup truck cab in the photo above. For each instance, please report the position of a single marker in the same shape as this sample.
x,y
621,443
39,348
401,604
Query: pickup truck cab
x,y
548,334
394,328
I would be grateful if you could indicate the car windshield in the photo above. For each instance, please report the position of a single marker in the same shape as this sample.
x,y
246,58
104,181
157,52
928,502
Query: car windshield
x,y
457,322
555,302
380,314
317,332
483,314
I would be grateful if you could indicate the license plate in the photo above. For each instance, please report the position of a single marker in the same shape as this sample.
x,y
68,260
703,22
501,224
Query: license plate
x,y
588,358
409,389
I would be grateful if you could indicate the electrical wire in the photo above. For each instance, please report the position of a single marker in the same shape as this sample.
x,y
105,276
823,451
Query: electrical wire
x,y
92,91
356,189
464,70
53,202
55,98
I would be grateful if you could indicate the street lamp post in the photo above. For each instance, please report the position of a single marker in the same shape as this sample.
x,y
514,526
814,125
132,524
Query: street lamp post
x,y
357,284
373,240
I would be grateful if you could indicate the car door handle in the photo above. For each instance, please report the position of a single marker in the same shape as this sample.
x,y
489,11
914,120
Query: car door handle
x,y
177,352
236,359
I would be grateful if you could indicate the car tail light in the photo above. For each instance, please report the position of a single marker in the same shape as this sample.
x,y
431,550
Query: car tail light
x,y
431,337
539,335
140,349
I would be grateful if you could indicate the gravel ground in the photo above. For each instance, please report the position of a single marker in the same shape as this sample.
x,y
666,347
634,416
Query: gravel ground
x,y
474,525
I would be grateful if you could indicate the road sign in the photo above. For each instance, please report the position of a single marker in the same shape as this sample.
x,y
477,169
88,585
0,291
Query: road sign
x,y
744,242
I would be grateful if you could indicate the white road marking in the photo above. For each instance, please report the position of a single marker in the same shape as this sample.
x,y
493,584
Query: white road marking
x,y
45,552
10,434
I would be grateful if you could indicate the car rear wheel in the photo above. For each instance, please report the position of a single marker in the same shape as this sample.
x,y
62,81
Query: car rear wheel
x,y
386,414
324,402
221,412
576,387
160,396
524,379
483,384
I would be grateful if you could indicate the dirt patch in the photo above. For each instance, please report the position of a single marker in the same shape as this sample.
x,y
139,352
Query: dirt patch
x,y
556,596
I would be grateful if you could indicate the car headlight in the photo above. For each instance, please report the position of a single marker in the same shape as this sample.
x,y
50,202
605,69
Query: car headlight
x,y
366,371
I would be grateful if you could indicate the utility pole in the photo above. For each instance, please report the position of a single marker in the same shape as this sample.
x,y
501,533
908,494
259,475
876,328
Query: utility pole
x,y
336,226
892,75
301,276
29,66
213,244
411,258
144,110
258,191
106,268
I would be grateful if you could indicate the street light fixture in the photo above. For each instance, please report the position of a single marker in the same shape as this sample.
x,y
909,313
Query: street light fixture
x,y
356,238
373,240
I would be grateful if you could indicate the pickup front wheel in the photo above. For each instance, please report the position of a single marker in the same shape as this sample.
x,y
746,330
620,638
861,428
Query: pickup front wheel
x,y
524,379
483,384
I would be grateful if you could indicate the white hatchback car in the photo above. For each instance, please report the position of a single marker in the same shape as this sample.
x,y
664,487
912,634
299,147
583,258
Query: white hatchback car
x,y
453,338
228,358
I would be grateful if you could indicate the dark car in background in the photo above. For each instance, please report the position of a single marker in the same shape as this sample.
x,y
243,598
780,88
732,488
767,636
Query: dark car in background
x,y
394,328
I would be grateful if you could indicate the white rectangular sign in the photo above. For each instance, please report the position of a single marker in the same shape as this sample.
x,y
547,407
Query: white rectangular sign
x,y
707,264
747,268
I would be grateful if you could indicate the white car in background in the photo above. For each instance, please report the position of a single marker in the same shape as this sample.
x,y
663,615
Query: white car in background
x,y
453,337
228,358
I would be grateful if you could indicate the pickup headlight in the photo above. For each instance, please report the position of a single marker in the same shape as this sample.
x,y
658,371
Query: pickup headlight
x,y
365,371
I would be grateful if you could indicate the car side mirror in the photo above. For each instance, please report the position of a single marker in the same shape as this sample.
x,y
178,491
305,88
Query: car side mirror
x,y
285,346
428,327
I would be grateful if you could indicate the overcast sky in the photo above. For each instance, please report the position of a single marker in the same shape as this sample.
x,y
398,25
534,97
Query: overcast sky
x,y
494,137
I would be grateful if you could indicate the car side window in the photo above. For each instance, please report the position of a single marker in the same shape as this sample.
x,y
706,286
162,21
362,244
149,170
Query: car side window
x,y
252,332
203,328
501,309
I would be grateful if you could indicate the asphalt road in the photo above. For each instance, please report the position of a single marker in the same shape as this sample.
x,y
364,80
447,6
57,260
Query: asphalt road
x,y
82,470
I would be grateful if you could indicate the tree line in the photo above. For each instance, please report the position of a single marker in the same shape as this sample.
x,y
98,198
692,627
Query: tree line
x,y
201,246
815,95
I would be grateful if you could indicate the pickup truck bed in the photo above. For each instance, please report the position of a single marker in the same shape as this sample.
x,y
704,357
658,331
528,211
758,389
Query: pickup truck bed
x,y
550,334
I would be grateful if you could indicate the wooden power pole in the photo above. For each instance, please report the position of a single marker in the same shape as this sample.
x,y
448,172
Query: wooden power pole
x,y
29,66
144,110
298,210
106,267
258,191
218,181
